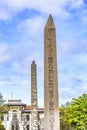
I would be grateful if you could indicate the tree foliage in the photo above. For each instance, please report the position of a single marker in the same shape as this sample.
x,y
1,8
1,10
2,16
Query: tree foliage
x,y
1,126
73,116
3,108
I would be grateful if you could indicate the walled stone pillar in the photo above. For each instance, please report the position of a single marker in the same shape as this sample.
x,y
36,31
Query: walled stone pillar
x,y
34,116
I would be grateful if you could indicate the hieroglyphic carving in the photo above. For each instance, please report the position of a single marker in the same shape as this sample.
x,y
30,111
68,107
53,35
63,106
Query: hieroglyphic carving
x,y
50,49
50,77
51,92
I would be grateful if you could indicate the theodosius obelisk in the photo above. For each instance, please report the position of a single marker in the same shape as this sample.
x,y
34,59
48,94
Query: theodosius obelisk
x,y
34,114
51,105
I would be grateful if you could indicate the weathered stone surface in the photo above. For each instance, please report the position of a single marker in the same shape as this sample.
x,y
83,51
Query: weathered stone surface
x,y
34,116
33,86
50,77
34,121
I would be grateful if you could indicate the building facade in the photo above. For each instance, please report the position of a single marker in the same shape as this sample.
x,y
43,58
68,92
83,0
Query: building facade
x,y
18,116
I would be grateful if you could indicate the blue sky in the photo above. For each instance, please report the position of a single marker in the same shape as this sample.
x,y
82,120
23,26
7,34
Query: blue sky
x,y
22,41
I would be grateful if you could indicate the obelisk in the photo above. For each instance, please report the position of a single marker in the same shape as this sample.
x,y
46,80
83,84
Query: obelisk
x,y
51,105
34,116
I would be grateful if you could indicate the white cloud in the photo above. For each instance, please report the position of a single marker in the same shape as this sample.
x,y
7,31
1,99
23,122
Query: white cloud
x,y
32,27
12,7
4,53
4,15
82,58
71,86
75,49
76,3
72,69
84,16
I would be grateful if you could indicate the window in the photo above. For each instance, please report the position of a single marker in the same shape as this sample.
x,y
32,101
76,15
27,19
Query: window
x,y
14,116
2,118
27,127
12,127
16,127
7,117
38,117
27,117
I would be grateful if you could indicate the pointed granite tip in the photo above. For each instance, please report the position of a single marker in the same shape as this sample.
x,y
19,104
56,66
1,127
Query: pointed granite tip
x,y
50,22
33,62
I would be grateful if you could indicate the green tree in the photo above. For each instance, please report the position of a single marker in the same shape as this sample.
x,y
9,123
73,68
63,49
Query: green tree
x,y
3,108
64,115
74,115
1,126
